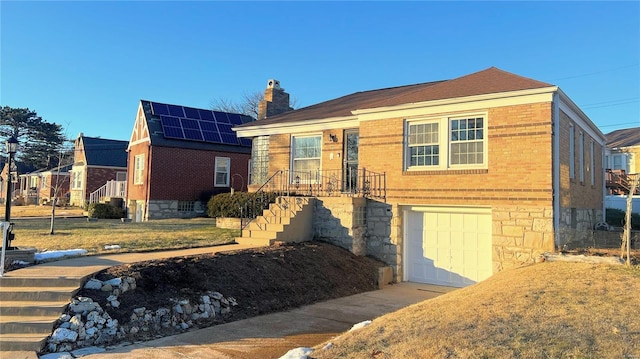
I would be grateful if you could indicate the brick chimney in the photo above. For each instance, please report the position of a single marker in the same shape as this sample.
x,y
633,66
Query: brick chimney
x,y
275,102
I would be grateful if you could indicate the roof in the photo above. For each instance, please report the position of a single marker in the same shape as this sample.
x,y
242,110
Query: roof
x,y
63,170
491,80
104,152
158,138
623,138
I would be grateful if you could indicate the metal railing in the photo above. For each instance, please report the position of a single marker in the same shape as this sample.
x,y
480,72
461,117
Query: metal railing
x,y
317,183
110,189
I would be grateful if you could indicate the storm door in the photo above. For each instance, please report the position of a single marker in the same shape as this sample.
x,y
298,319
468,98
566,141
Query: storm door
x,y
350,161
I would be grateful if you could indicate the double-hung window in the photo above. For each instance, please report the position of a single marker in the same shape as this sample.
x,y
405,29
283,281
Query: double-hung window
x,y
138,169
446,143
76,182
222,172
305,155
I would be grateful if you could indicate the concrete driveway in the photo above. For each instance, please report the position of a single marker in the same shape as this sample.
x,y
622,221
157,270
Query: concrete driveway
x,y
272,335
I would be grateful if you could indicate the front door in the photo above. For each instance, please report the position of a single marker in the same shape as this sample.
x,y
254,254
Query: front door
x,y
350,164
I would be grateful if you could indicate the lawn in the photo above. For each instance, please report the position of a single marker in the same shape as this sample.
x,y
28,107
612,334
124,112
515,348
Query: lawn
x,y
72,233
546,310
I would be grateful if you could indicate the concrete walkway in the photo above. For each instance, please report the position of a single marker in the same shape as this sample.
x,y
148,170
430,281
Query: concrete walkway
x,y
267,336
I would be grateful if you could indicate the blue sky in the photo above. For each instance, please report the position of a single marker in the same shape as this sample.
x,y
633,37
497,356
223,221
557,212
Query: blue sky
x,y
85,65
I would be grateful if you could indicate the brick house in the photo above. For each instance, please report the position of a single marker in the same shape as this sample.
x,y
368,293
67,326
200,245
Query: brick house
x,y
179,157
41,186
96,161
448,182
622,158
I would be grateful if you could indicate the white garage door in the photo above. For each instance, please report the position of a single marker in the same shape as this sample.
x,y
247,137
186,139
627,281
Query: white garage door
x,y
448,246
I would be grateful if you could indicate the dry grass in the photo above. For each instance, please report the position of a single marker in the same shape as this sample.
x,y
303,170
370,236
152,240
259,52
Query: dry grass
x,y
547,310
71,233
42,211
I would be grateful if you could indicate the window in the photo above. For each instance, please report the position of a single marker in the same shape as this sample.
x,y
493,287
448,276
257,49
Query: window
x,y
43,182
76,181
259,160
138,169
619,162
592,163
424,149
446,143
186,206
33,182
581,154
305,153
467,138
121,176
221,176
572,152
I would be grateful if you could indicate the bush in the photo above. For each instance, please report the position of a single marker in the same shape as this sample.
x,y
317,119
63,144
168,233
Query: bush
x,y
615,217
105,211
239,204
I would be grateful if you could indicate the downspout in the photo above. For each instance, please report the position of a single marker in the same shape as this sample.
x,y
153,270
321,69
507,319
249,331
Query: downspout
x,y
604,183
556,168
145,215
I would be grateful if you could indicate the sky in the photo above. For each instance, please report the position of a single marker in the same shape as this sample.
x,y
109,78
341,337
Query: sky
x,y
86,64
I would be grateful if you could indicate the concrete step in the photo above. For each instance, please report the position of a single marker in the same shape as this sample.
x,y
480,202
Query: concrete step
x,y
264,234
273,219
9,281
11,324
20,342
254,241
272,227
32,308
47,294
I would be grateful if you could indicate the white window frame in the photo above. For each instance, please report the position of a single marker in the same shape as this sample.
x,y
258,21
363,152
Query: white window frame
x,y
43,182
227,170
581,155
76,182
138,169
445,142
592,163
572,152
293,161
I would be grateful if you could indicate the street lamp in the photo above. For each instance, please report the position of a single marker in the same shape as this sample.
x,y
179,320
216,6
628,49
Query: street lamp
x,y
12,148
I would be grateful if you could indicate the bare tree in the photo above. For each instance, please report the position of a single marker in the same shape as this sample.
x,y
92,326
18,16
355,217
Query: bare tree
x,y
65,158
248,104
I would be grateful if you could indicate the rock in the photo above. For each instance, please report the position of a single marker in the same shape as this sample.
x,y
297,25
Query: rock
x,y
93,316
187,308
195,316
224,302
51,347
184,302
87,351
89,324
133,317
232,301
115,303
65,325
83,305
116,292
139,311
111,298
61,355
206,299
76,322
124,286
65,318
93,283
112,323
134,330
62,335
161,312
184,326
115,282
178,309
205,315
91,332
107,288
103,338
82,333
216,296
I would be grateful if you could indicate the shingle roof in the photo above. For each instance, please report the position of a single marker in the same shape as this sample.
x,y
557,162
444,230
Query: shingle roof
x,y
104,152
623,138
491,80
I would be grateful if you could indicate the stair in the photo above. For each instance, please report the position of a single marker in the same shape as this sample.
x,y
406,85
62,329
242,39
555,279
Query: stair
x,y
289,219
29,308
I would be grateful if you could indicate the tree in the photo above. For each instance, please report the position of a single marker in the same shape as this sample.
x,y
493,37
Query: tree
x,y
65,158
248,105
39,140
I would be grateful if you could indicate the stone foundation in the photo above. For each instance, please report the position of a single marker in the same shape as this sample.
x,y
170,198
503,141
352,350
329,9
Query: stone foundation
x,y
169,209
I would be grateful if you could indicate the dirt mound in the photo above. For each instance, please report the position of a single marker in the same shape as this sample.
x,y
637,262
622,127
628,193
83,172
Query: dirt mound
x,y
261,280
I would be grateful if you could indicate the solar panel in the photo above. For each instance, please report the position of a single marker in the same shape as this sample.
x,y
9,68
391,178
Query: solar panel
x,y
221,117
190,112
159,109
187,123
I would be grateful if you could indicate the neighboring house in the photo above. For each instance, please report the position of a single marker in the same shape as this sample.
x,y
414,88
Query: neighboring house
x,y
179,157
41,186
98,163
16,168
622,158
462,178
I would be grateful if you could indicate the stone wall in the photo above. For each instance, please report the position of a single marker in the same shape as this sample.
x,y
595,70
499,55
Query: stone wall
x,y
520,234
576,225
169,209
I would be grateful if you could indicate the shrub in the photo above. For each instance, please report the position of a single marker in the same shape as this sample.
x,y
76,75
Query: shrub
x,y
105,211
615,218
238,204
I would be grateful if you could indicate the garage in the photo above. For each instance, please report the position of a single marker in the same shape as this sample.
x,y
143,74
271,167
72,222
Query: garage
x,y
447,245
